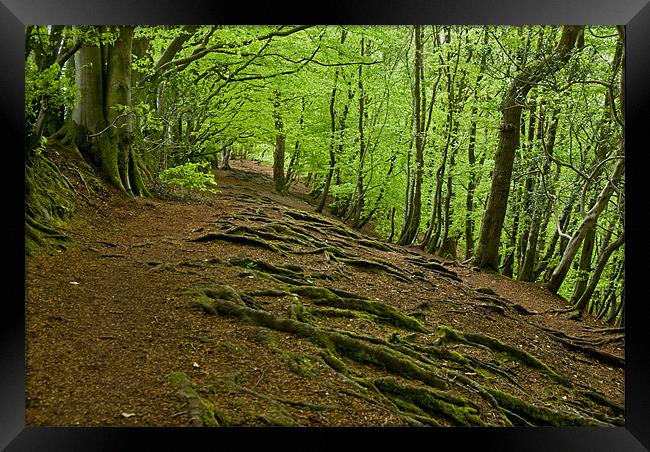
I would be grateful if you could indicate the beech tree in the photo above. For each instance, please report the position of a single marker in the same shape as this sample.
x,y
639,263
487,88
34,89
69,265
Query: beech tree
x,y
487,253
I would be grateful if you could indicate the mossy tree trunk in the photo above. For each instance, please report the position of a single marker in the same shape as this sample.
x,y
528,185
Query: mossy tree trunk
x,y
103,77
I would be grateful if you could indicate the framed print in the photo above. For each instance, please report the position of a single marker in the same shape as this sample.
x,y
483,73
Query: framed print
x,y
353,228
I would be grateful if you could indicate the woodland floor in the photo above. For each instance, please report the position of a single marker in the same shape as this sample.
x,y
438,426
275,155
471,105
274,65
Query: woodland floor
x,y
131,325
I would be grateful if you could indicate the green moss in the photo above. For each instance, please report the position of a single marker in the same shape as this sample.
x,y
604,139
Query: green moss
x,y
450,335
334,362
381,310
324,297
433,402
314,292
202,412
541,414
300,365
333,313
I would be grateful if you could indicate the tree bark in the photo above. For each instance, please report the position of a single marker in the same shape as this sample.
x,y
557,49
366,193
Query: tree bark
x,y
605,254
89,113
332,162
278,152
118,93
103,114
412,223
562,269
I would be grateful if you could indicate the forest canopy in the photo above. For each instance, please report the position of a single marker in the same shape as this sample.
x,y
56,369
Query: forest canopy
x,y
499,146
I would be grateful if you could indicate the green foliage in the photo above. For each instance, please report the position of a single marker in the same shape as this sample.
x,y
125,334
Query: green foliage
x,y
47,86
224,99
189,175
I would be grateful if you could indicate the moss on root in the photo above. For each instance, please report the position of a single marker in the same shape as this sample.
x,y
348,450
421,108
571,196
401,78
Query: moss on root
x,y
420,394
457,410
353,348
202,412
451,335
541,415
240,239
325,297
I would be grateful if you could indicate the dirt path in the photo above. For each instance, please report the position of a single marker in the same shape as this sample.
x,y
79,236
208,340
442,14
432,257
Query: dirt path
x,y
113,337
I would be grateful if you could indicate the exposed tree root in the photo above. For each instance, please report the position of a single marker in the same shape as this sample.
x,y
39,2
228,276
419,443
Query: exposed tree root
x,y
380,310
242,239
541,415
603,357
507,304
582,340
616,408
376,266
435,266
495,345
293,271
459,411
413,403
202,413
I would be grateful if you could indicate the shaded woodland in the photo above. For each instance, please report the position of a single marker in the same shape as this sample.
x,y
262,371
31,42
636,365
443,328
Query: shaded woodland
x,y
500,147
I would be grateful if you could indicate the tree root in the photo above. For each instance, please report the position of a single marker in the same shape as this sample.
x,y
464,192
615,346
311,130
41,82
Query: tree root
x,y
376,266
292,271
325,297
416,405
459,411
202,412
507,304
450,335
434,266
603,357
342,344
616,408
241,239
542,415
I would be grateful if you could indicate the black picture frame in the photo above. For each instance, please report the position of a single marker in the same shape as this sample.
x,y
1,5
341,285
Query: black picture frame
x,y
15,14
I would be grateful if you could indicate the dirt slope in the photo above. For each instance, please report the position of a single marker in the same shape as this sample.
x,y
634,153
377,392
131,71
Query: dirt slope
x,y
245,308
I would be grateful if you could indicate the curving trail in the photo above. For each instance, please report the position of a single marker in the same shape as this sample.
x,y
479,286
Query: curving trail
x,y
246,308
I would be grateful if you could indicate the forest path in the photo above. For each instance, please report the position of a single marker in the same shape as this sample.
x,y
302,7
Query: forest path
x,y
293,319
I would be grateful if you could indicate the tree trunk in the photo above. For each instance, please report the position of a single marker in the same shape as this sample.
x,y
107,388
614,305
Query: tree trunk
x,y
471,159
358,198
224,159
118,93
330,171
102,113
278,152
471,186
88,113
585,264
562,269
391,215
582,302
412,221
527,270
487,255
